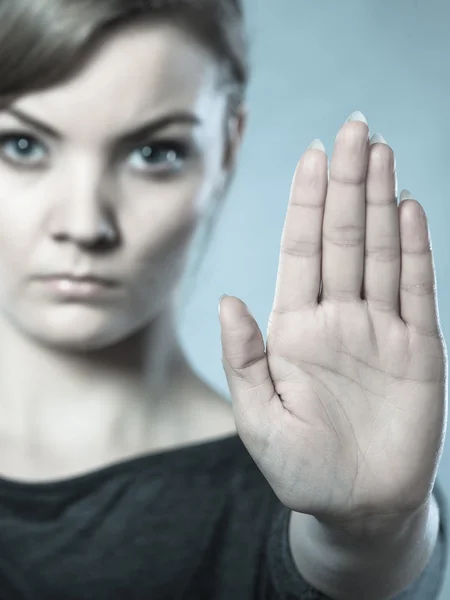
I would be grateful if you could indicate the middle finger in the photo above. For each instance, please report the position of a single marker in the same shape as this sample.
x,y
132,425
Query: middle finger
x,y
344,222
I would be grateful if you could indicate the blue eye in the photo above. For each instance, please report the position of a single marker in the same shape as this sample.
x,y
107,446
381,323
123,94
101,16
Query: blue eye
x,y
21,148
160,156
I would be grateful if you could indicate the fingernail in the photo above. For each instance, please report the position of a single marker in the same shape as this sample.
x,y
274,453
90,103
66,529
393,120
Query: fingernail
x,y
220,300
377,138
316,145
406,195
357,116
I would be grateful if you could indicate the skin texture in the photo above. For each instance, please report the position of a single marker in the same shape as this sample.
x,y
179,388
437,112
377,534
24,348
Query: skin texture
x,y
85,383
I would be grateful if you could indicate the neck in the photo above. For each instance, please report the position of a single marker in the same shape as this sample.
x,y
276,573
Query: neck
x,y
120,397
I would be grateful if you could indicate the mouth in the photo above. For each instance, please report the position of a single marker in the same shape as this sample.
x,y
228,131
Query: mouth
x,y
79,279
66,285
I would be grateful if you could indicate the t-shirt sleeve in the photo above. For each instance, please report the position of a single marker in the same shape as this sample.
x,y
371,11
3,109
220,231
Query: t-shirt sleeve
x,y
288,584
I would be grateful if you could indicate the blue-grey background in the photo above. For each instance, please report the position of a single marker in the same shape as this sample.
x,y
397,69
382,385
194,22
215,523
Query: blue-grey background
x,y
315,62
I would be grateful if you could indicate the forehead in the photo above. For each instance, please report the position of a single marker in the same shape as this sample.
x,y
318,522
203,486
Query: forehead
x,y
143,69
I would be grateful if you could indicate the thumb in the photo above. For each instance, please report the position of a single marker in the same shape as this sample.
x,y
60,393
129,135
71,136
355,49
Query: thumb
x,y
244,359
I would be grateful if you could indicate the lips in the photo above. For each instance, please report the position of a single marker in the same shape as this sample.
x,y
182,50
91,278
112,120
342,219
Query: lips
x,y
81,279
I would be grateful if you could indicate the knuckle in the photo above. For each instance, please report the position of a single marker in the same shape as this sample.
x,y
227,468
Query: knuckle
x,y
383,254
345,235
345,178
424,288
301,248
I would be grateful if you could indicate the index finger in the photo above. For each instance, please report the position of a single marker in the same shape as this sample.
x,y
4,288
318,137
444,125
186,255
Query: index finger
x,y
299,267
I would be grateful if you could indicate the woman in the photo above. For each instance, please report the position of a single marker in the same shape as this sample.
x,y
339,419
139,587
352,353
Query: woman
x,y
122,474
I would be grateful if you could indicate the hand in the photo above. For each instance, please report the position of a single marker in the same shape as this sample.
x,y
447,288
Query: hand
x,y
344,411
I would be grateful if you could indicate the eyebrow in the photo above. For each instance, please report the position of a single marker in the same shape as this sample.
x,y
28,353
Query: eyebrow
x,y
141,132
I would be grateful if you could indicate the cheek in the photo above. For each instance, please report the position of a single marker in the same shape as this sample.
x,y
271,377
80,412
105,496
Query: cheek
x,y
157,221
18,215
24,199
159,218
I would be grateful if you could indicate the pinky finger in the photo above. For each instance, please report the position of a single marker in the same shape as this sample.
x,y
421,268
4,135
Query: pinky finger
x,y
418,295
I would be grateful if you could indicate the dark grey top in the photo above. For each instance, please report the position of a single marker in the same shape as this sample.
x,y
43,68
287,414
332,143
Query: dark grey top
x,y
198,523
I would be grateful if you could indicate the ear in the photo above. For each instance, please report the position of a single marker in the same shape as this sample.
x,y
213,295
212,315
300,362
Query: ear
x,y
235,129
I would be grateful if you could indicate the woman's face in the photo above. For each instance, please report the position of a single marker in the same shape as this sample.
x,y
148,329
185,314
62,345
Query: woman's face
x,y
70,161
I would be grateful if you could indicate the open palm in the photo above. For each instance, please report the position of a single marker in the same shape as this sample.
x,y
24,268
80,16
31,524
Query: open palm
x,y
344,409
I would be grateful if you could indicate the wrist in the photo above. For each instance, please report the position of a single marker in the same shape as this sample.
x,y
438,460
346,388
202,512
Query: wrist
x,y
342,561
376,528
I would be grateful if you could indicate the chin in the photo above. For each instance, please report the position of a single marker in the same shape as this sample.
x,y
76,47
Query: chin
x,y
75,327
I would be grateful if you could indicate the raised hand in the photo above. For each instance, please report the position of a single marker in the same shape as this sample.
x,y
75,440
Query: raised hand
x,y
344,410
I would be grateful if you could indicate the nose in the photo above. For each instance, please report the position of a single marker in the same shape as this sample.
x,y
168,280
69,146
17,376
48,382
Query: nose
x,y
84,210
